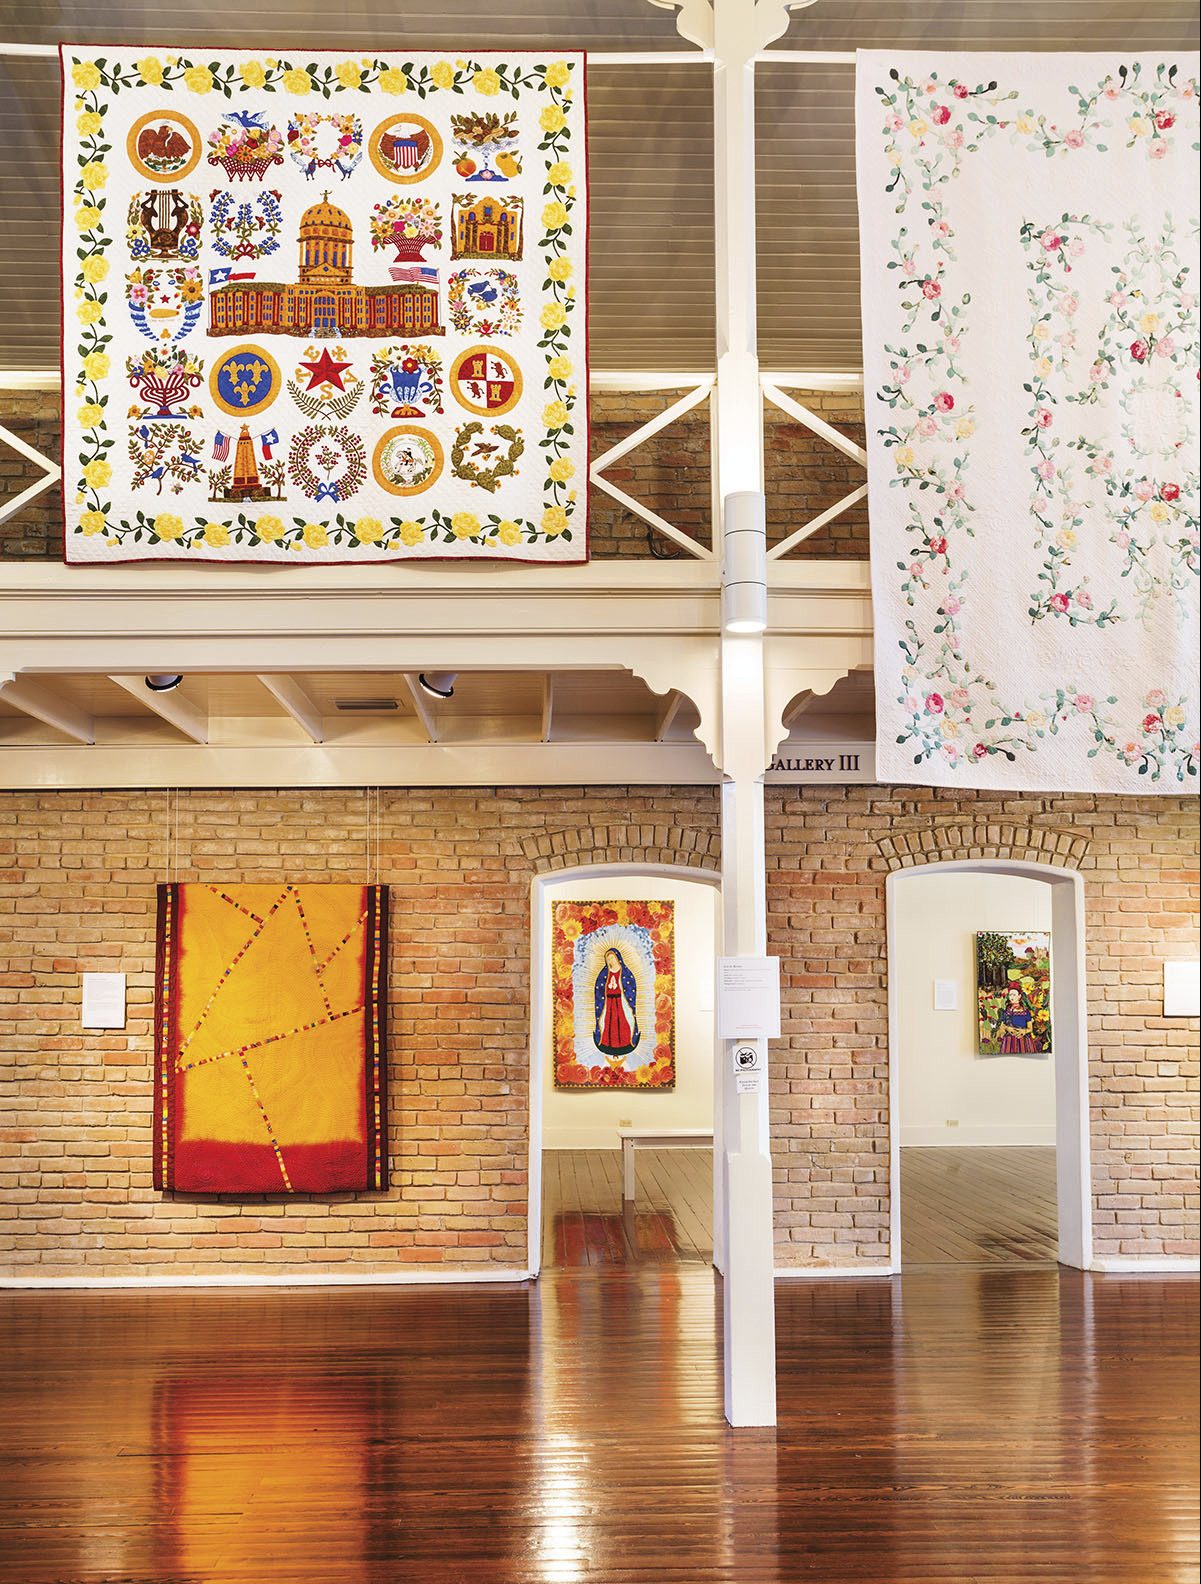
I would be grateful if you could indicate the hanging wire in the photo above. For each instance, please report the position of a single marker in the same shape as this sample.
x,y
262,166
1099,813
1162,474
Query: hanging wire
x,y
171,836
371,833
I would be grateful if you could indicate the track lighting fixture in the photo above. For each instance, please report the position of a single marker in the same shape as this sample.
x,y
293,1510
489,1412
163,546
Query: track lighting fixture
x,y
438,684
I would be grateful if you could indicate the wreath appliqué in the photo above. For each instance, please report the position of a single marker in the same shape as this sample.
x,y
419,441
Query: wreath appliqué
x,y
334,451
311,151
483,302
245,228
469,444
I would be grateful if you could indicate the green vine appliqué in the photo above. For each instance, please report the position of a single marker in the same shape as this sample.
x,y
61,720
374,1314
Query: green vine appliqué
x,y
929,128
95,81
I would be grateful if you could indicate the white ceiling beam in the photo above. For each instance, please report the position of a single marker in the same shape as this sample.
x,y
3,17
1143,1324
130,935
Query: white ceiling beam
x,y
51,708
299,704
295,764
51,473
693,546
812,379
667,714
798,707
176,711
422,705
815,423
651,427
815,523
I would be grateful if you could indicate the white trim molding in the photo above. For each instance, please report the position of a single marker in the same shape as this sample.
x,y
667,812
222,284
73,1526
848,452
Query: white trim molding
x,y
405,1278
832,1272
1147,1265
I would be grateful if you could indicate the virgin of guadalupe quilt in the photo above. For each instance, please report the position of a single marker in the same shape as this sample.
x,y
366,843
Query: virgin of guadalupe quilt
x,y
1029,231
322,309
270,1058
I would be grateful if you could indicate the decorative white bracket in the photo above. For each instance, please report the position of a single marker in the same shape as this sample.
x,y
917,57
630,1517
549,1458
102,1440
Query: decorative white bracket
x,y
824,431
685,404
694,19
51,473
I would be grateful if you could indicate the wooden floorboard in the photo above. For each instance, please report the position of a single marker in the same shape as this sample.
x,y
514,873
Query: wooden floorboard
x,y
586,1223
991,1205
1008,1426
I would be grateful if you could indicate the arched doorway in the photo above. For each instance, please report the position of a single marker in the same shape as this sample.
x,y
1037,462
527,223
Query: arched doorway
x,y
1068,1058
575,1147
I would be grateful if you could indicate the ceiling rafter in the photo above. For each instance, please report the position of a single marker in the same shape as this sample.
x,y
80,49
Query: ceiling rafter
x,y
422,706
51,708
175,710
299,704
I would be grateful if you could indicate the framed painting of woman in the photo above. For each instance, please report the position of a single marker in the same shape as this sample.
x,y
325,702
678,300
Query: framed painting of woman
x,y
1013,992
613,983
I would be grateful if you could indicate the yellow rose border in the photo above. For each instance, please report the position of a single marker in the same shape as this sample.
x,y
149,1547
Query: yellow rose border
x,y
95,81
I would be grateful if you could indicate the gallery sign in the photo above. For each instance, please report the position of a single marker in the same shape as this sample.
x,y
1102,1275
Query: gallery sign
x,y
822,762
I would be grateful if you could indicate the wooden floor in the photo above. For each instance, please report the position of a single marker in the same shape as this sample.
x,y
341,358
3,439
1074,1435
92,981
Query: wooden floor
x,y
585,1223
979,1206
948,1427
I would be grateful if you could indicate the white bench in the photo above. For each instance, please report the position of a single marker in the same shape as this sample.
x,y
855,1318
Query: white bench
x,y
661,1138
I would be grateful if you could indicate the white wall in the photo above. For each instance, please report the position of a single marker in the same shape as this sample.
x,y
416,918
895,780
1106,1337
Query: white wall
x,y
589,1119
994,1099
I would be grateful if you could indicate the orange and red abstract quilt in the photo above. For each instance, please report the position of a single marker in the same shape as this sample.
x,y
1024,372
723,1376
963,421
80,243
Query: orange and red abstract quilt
x,y
269,1038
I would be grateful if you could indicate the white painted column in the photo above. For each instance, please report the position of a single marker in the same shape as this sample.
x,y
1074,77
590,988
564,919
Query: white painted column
x,y
740,29
748,1292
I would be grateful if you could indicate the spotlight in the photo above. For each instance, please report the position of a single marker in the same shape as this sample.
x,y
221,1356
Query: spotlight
x,y
438,684
163,684
744,574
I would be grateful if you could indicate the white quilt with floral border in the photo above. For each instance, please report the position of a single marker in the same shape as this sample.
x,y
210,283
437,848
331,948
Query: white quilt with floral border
x,y
323,308
1029,237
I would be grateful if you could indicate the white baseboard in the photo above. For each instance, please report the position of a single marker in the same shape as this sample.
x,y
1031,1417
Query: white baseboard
x,y
408,1278
586,1138
1027,1133
1150,1265
603,1138
832,1272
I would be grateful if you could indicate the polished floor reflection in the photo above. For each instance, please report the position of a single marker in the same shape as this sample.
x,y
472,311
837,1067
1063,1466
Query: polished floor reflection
x,y
981,1205
961,1426
586,1222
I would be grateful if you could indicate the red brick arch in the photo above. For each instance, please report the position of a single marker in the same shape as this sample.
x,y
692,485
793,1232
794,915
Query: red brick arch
x,y
619,842
953,840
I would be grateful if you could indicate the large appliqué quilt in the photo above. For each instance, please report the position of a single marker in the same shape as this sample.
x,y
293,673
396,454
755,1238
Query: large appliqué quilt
x,y
329,308
1029,230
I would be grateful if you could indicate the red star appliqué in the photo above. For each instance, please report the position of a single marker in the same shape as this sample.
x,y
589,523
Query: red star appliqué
x,y
325,371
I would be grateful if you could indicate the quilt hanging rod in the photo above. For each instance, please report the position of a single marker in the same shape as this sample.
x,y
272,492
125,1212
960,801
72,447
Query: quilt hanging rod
x,y
696,57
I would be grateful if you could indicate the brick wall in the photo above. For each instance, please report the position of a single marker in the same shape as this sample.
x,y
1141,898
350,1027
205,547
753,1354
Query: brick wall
x,y
77,877
77,891
669,474
829,854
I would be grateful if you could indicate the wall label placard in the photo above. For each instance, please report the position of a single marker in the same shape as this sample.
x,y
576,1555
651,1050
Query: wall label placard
x,y
748,998
103,1001
822,762
1181,989
946,995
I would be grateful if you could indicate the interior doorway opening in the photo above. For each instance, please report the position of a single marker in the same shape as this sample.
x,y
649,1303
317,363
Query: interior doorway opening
x,y
623,1175
988,1066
